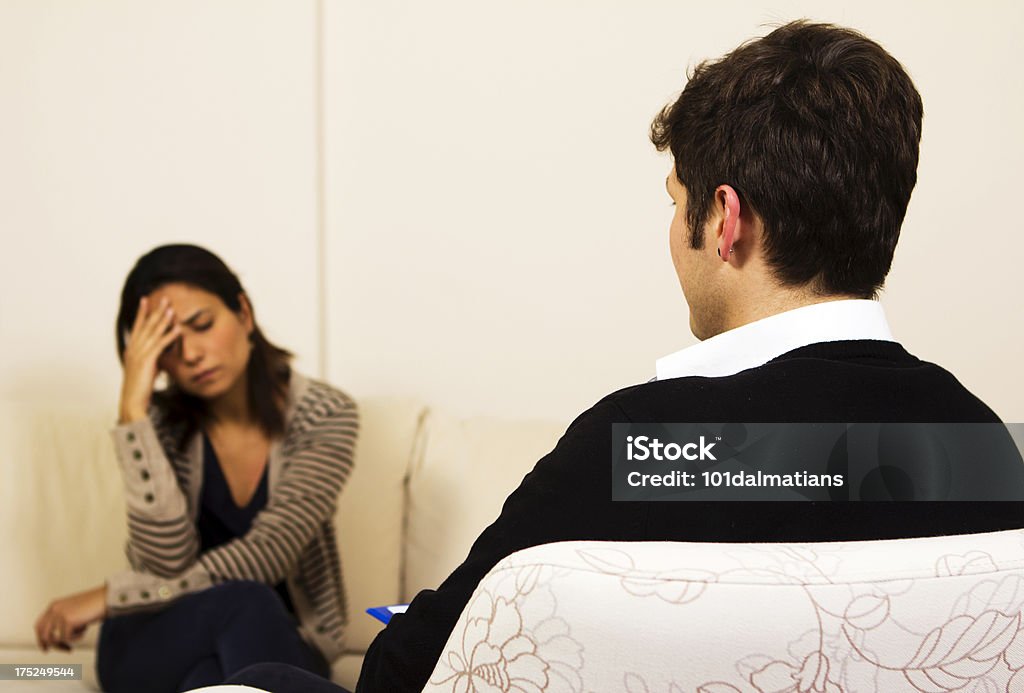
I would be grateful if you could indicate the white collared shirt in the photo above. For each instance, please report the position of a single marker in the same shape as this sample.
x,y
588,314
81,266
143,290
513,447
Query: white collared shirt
x,y
758,342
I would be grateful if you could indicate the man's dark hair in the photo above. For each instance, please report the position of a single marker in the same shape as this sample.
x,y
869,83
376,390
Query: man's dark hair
x,y
817,128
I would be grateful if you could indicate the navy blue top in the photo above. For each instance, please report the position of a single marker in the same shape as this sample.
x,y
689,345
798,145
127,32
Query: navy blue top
x,y
220,519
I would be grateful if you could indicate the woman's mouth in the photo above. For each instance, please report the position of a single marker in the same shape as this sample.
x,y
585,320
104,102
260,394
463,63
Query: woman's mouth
x,y
205,376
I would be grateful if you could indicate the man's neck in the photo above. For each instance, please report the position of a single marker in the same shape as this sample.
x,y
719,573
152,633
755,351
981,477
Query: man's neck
x,y
765,304
762,339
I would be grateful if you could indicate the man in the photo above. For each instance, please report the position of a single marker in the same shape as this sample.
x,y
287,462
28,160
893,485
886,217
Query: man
x,y
794,159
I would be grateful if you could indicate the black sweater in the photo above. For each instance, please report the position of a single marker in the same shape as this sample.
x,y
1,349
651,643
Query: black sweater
x,y
568,494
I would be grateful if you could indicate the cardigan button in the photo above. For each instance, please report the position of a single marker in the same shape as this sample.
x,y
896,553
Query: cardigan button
x,y
144,594
149,498
183,584
164,591
130,437
145,475
122,597
137,454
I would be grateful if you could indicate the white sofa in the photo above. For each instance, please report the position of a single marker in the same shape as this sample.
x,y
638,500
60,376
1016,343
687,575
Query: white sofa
x,y
933,613
423,488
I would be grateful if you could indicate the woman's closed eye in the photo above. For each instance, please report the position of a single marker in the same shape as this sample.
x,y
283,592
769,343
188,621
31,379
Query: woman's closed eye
x,y
170,348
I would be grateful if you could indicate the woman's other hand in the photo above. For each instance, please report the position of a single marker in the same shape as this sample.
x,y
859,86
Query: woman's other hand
x,y
64,621
154,330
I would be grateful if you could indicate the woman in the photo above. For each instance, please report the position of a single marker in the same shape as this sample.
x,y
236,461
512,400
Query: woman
x,y
232,475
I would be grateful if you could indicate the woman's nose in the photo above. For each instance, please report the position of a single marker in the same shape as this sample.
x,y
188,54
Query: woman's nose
x,y
191,350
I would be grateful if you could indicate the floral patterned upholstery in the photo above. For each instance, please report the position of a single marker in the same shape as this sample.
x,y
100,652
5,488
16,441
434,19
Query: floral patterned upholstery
x,y
928,614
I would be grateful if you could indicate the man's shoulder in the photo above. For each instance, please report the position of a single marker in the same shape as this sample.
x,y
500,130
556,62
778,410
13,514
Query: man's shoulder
x,y
857,380
630,404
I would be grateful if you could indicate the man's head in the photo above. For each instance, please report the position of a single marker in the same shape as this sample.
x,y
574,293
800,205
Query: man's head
x,y
798,151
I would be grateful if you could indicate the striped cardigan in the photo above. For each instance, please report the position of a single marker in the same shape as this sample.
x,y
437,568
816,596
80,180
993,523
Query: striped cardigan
x,y
292,538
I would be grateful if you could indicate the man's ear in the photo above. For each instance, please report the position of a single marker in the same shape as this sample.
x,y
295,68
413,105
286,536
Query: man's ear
x,y
728,200
245,313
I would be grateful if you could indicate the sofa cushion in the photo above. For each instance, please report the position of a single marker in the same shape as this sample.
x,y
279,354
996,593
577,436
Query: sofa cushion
x,y
62,512
371,512
458,484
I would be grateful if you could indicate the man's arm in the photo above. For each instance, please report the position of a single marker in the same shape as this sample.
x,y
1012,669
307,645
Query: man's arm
x,y
566,496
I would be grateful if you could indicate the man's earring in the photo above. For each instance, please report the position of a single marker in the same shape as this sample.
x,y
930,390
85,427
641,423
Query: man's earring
x,y
719,251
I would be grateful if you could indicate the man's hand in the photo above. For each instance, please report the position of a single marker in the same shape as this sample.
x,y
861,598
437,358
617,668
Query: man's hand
x,y
65,620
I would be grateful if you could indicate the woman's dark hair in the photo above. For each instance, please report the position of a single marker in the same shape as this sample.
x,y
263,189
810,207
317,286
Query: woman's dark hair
x,y
817,128
268,371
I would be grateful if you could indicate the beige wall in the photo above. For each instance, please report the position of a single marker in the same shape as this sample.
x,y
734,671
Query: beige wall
x,y
493,215
496,214
130,124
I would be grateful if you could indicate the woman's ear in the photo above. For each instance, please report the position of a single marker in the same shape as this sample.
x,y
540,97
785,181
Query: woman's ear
x,y
245,313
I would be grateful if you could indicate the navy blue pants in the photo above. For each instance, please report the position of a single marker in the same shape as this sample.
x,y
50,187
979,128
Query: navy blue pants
x,y
200,640
281,678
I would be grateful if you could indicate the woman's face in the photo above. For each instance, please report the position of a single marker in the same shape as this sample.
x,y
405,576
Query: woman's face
x,y
212,353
